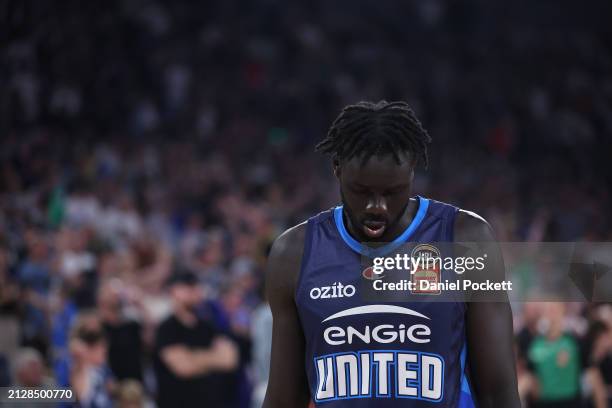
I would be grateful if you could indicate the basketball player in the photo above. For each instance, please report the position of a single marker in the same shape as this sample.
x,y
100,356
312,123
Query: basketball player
x,y
335,349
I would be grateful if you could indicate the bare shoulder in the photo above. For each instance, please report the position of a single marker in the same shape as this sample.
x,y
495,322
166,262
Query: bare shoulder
x,y
290,242
470,226
284,261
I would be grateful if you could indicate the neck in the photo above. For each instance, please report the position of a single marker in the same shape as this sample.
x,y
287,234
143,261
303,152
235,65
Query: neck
x,y
185,316
111,317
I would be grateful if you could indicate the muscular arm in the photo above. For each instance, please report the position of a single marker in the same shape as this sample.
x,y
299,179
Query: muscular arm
x,y
188,363
489,327
287,386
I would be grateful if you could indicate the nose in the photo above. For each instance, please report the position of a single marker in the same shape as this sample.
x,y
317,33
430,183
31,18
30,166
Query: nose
x,y
377,205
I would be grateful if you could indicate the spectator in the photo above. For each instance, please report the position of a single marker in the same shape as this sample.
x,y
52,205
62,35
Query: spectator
x,y
527,384
596,355
261,332
9,316
230,316
132,395
555,358
530,314
123,333
188,350
90,378
63,318
34,277
29,370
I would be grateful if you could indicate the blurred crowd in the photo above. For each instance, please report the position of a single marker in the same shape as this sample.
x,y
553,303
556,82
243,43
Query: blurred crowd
x,y
145,137
564,354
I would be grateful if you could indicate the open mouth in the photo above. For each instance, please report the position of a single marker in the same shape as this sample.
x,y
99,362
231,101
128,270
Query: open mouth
x,y
374,229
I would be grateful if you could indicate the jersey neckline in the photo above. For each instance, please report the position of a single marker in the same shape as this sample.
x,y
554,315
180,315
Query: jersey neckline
x,y
391,246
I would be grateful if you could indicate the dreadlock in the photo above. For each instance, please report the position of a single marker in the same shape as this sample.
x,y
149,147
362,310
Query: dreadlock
x,y
367,129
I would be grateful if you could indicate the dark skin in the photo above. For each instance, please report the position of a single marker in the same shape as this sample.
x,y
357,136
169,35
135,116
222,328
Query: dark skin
x,y
379,190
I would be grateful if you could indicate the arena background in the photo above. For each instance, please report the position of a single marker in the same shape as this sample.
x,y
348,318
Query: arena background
x,y
140,136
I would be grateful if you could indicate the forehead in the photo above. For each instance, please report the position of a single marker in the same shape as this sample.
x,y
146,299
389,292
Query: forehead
x,y
378,170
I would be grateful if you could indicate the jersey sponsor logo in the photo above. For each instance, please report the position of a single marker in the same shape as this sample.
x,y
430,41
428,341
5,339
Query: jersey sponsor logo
x,y
378,373
382,333
336,290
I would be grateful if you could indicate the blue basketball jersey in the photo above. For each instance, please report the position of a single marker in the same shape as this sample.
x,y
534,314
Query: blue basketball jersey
x,y
362,353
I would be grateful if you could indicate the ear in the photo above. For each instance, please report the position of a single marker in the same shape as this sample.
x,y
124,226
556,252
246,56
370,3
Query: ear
x,y
336,167
411,175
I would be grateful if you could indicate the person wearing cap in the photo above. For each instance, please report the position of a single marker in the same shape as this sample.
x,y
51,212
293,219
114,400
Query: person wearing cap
x,y
189,351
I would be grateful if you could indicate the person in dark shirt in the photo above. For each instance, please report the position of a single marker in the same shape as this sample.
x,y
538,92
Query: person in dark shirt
x,y
189,351
124,335
531,314
596,361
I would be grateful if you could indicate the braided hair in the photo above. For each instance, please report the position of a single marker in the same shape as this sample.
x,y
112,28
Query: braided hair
x,y
367,129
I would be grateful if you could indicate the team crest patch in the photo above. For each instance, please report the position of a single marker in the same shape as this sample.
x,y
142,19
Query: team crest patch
x,y
427,269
